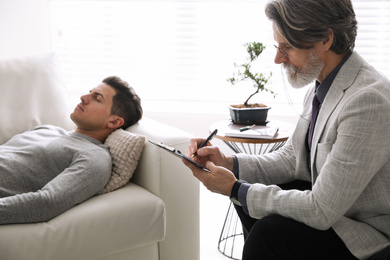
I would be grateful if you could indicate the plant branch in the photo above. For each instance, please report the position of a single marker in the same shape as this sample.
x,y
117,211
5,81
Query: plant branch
x,y
254,49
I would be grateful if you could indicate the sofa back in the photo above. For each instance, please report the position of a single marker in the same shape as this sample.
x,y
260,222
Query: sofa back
x,y
32,93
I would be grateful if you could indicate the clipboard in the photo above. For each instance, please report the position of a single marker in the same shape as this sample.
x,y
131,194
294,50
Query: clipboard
x,y
177,153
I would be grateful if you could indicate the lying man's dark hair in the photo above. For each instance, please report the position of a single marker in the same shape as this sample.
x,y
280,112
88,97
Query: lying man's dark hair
x,y
126,103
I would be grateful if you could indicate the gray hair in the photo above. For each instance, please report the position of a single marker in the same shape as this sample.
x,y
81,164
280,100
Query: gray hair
x,y
303,22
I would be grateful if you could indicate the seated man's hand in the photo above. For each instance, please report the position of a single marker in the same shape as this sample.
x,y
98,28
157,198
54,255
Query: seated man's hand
x,y
208,153
219,179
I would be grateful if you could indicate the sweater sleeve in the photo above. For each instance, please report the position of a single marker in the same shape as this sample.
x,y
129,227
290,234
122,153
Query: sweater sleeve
x,y
84,178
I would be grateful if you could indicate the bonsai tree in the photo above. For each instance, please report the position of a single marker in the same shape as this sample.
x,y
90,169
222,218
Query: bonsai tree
x,y
254,49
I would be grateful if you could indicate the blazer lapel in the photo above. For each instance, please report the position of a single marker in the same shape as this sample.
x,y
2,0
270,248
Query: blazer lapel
x,y
343,81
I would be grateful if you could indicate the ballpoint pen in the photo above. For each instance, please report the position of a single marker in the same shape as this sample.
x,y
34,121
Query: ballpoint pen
x,y
242,129
211,136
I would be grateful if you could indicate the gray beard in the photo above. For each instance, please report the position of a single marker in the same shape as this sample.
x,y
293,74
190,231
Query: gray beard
x,y
299,78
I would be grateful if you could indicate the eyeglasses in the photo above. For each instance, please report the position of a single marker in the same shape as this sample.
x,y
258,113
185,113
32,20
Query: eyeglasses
x,y
283,52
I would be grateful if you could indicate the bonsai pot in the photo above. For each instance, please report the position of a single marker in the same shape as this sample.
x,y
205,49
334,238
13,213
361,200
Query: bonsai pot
x,y
250,115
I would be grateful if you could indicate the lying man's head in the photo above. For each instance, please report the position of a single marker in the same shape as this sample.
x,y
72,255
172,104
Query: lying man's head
x,y
111,105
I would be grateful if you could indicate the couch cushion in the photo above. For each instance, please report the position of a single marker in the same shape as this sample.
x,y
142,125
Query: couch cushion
x,y
32,93
125,149
102,226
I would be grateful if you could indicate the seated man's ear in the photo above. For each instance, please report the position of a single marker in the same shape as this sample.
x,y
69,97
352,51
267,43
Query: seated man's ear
x,y
115,122
327,43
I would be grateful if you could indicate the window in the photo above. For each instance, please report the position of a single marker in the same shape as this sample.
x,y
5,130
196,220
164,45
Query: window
x,y
182,52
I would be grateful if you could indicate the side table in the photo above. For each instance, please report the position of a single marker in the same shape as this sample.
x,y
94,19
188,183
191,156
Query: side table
x,y
232,228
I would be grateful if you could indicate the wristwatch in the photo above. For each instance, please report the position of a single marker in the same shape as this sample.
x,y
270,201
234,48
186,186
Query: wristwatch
x,y
234,193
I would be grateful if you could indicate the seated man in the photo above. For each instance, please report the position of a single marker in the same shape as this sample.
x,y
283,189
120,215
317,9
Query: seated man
x,y
324,194
47,170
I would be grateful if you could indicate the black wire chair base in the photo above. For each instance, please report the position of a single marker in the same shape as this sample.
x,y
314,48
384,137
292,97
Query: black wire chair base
x,y
231,240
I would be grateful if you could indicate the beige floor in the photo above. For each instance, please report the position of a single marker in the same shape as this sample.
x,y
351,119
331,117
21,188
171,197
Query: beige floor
x,y
213,209
213,212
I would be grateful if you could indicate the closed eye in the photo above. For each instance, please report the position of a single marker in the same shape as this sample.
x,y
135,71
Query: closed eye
x,y
97,96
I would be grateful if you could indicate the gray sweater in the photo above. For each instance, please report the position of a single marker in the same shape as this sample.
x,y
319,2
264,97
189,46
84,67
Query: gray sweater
x,y
46,171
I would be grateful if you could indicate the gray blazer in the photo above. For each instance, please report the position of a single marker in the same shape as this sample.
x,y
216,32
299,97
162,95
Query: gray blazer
x,y
350,163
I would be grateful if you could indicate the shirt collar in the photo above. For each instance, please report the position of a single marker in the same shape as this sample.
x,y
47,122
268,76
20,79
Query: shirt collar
x,y
82,136
323,88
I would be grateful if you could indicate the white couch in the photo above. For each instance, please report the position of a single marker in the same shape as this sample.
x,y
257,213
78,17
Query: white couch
x,y
155,216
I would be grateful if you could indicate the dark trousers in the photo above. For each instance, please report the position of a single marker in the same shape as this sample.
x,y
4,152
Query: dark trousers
x,y
277,237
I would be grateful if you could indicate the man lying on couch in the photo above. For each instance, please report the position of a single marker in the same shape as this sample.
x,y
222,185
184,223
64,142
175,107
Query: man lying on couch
x,y
46,171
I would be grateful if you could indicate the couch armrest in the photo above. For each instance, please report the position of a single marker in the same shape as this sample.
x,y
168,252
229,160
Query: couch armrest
x,y
167,177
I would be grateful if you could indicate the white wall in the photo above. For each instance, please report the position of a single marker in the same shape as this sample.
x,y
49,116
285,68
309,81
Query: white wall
x,y
24,28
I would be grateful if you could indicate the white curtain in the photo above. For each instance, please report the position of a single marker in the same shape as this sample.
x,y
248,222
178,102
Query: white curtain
x,y
181,52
